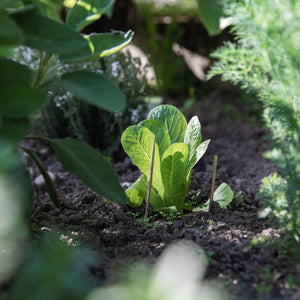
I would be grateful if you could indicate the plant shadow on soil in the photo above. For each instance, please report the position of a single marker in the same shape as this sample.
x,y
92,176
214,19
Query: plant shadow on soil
x,y
118,235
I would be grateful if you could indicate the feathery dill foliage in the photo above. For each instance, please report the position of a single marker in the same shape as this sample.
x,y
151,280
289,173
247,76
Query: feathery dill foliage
x,y
265,59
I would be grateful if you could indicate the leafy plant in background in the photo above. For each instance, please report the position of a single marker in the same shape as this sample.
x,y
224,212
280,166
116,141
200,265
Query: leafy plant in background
x,y
64,115
178,147
265,60
23,90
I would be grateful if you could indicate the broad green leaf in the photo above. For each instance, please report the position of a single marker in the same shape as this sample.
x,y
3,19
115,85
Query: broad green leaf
x,y
193,138
14,73
20,101
173,170
94,89
201,149
210,12
13,130
99,45
45,34
48,181
10,32
161,136
172,119
86,12
90,166
223,195
137,193
137,142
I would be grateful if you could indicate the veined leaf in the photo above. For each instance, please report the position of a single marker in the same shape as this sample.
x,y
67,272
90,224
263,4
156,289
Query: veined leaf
x,y
45,34
172,119
13,72
223,195
94,89
86,12
173,169
18,101
99,45
201,149
161,136
137,141
90,166
10,33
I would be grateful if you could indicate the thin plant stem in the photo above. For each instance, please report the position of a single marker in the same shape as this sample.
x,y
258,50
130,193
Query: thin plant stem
x,y
150,180
212,190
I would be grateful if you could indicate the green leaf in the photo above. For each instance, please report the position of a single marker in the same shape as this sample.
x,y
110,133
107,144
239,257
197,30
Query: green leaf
x,y
137,193
90,166
48,181
48,8
210,12
172,119
161,137
193,138
137,142
10,32
13,72
86,12
201,149
223,195
94,89
20,101
173,171
45,34
99,45
13,130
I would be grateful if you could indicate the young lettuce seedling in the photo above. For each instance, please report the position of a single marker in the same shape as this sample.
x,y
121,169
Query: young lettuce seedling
x,y
178,147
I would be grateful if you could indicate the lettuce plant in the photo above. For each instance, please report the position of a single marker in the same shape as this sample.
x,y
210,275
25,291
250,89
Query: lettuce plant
x,y
178,147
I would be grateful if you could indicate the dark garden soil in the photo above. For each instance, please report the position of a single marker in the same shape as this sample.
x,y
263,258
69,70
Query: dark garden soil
x,y
119,235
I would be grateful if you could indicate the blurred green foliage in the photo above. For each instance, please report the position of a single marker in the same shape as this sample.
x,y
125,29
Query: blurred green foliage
x,y
264,60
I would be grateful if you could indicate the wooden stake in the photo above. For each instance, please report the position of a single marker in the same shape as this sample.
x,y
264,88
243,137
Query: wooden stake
x,y
150,180
212,190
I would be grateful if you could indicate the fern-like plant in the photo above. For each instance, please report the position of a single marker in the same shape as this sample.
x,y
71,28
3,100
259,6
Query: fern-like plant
x,y
265,59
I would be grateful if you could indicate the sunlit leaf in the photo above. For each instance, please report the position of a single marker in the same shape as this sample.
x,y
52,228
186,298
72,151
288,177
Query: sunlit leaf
x,y
137,142
172,119
86,12
99,45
